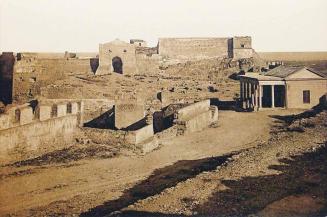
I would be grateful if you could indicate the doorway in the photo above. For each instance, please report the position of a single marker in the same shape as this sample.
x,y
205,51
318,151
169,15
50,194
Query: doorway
x,y
279,93
117,65
266,96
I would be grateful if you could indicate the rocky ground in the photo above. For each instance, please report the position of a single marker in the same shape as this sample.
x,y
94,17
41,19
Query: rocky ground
x,y
87,174
275,166
286,176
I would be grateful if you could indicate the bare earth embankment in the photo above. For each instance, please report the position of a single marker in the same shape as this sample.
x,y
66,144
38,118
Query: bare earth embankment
x,y
210,173
285,176
86,178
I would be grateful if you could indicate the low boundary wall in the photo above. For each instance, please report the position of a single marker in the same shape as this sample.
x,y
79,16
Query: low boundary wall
x,y
141,135
24,129
193,109
190,121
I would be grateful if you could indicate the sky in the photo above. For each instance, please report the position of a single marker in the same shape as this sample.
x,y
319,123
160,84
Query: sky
x,y
80,25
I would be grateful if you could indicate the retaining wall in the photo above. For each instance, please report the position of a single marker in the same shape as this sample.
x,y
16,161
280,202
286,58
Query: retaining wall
x,y
196,117
141,135
193,109
24,129
128,113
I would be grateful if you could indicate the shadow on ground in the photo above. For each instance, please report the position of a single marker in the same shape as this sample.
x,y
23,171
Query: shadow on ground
x,y
298,122
305,174
68,155
300,175
288,119
231,105
160,180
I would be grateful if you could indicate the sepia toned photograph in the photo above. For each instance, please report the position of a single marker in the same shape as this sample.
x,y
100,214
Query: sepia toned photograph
x,y
163,108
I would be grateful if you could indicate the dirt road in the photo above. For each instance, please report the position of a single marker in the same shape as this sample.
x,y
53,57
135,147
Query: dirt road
x,y
79,186
286,176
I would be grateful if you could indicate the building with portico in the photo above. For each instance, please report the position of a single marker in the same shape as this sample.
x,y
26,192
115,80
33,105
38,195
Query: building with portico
x,y
282,87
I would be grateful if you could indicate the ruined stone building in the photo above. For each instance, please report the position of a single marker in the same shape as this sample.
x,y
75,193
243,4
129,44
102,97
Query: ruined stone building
x,y
134,57
23,75
135,94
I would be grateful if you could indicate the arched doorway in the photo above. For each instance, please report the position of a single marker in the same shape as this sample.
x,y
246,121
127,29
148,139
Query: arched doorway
x,y
117,65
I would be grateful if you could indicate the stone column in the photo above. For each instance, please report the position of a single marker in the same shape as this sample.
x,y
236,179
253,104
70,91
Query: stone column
x,y
260,97
272,96
241,90
244,95
249,95
252,95
255,96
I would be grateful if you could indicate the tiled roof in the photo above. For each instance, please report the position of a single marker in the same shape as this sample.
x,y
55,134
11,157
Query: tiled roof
x,y
285,71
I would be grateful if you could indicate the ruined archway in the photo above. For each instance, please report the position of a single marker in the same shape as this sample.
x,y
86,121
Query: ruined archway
x,y
117,65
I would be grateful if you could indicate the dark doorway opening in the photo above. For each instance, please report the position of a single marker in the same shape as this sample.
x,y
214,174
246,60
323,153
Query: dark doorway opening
x,y
7,60
94,63
117,65
266,96
279,93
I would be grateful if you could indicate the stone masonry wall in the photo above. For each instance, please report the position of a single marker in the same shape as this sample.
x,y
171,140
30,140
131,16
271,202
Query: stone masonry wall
x,y
128,113
195,117
32,74
295,88
24,129
193,48
125,51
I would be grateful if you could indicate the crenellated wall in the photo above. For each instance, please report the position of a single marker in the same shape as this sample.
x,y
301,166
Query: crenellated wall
x,y
31,128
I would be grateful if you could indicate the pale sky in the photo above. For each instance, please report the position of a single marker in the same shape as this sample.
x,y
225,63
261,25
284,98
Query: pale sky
x,y
80,25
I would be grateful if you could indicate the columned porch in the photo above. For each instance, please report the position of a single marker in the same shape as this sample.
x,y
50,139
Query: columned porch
x,y
256,94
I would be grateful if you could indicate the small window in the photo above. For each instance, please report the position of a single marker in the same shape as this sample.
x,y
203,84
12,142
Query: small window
x,y
242,45
306,96
140,44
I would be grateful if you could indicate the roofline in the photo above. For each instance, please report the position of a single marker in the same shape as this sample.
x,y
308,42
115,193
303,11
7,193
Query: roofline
x,y
304,79
316,72
309,69
272,78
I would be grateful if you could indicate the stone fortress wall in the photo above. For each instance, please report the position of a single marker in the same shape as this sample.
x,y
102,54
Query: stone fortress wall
x,y
23,76
31,73
242,47
38,126
121,51
193,48
136,58
203,48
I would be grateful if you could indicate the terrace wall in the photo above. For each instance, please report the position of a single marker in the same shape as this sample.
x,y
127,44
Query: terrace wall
x,y
196,117
24,129
193,109
140,135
